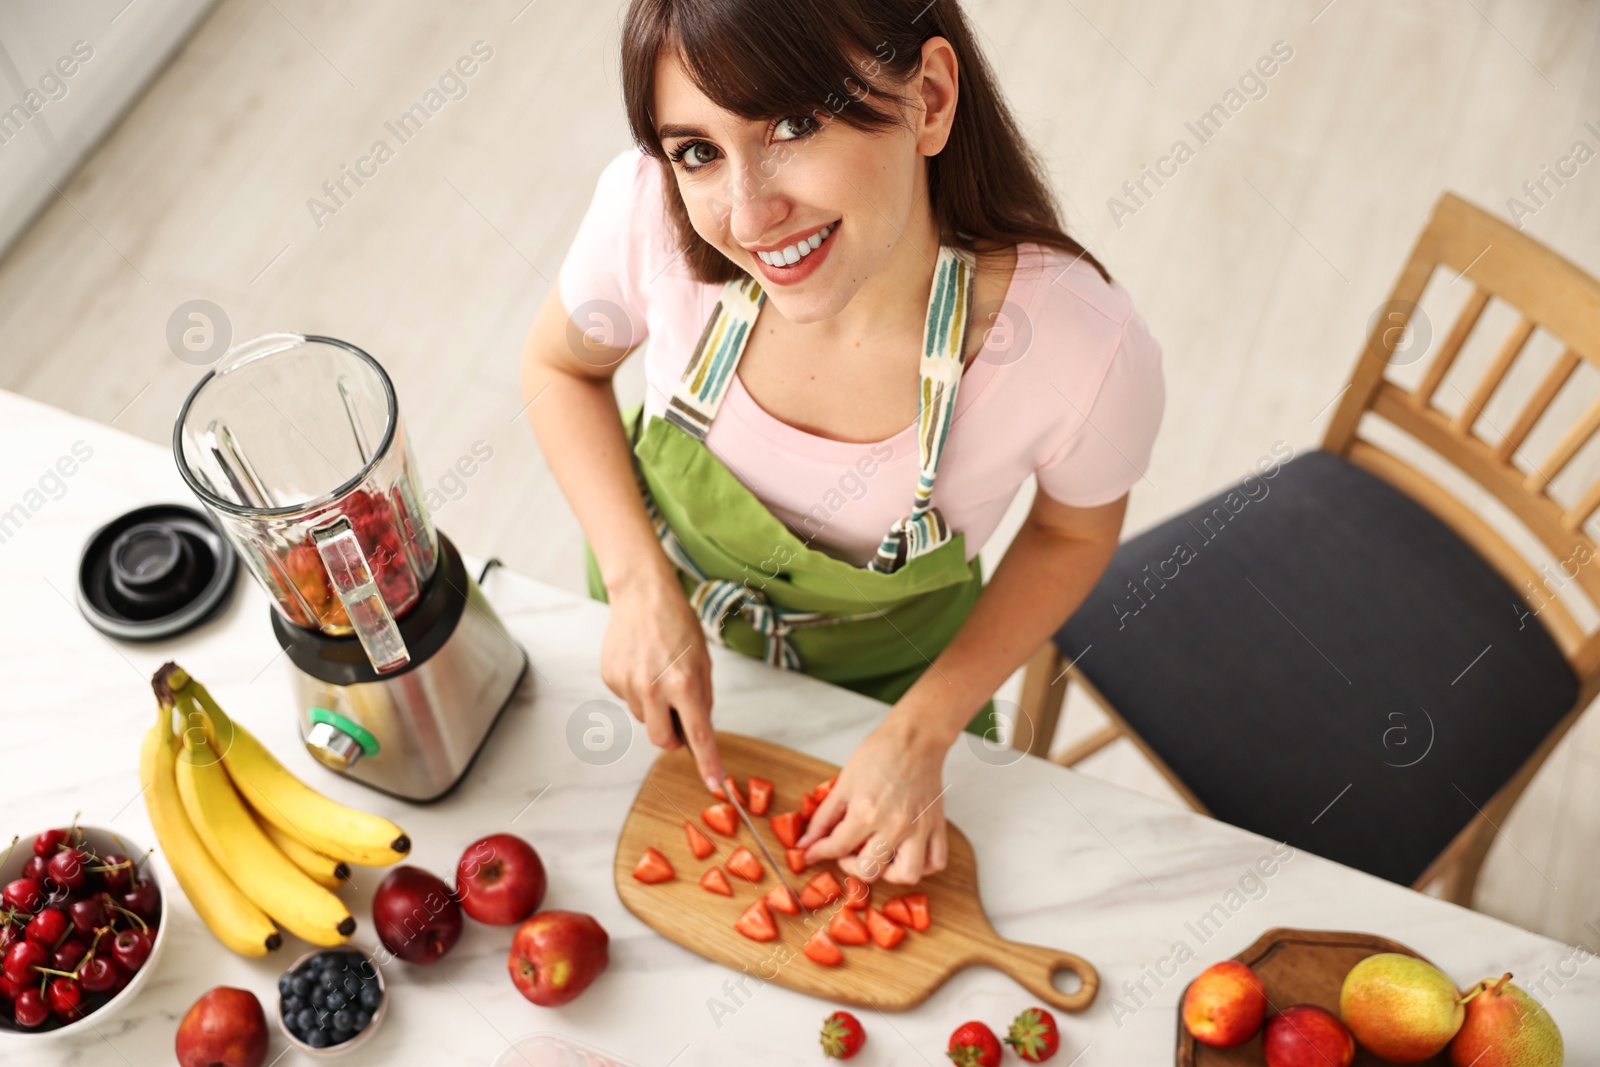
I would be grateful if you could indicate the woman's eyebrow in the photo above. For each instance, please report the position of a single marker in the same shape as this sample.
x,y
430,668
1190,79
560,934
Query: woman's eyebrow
x,y
671,130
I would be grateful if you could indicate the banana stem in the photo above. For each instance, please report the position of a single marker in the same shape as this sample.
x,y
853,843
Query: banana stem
x,y
169,678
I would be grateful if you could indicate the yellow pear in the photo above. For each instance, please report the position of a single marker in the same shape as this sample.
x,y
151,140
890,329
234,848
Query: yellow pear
x,y
1505,1028
1400,1008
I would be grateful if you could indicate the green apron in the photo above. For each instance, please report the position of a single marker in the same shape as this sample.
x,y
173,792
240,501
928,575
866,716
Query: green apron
x,y
760,589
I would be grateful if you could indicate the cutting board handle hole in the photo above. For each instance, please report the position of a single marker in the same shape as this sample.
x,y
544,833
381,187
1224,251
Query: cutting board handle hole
x,y
1066,980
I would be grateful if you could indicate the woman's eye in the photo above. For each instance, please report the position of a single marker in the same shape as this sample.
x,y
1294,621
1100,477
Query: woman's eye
x,y
691,154
802,124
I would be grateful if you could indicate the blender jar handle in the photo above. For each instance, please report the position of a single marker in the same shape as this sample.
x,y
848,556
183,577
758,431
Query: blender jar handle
x,y
352,580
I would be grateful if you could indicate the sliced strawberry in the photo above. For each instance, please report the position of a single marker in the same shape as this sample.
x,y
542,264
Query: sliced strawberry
x,y
760,795
898,910
653,867
809,805
756,922
745,865
847,928
921,916
821,949
721,818
716,881
733,787
857,894
782,899
796,858
788,827
699,843
886,933
828,886
821,792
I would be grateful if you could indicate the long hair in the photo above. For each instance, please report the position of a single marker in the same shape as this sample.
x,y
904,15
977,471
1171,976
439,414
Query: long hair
x,y
766,59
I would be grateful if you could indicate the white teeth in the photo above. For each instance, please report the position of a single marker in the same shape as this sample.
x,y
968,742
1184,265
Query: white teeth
x,y
796,252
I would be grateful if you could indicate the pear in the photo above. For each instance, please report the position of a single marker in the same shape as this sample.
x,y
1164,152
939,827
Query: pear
x,y
1505,1028
1400,1008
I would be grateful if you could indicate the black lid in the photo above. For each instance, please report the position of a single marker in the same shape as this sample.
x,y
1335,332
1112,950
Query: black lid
x,y
155,572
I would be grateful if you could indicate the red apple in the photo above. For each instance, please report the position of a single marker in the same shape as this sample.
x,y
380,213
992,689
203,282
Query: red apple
x,y
1307,1036
224,1028
556,954
1224,1006
500,880
417,917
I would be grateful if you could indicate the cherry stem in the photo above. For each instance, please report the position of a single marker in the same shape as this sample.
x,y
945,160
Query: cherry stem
x,y
9,847
142,924
59,974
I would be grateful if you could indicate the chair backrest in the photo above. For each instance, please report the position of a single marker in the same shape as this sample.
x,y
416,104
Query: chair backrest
x,y
1549,294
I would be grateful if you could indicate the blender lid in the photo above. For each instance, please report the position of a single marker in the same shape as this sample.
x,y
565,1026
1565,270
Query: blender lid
x,y
155,572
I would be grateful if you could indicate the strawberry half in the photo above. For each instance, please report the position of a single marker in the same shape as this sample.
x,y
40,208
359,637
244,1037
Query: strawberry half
x,y
699,843
782,899
1034,1035
653,868
910,910
730,786
847,928
857,894
809,805
898,910
716,881
721,818
821,949
974,1045
821,792
756,922
886,933
796,858
760,796
744,864
787,827
842,1035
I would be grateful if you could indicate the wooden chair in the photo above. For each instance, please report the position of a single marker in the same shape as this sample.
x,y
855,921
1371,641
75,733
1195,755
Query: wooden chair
x,y
1497,729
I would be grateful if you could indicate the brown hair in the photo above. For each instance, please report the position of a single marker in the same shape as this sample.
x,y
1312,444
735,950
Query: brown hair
x,y
761,59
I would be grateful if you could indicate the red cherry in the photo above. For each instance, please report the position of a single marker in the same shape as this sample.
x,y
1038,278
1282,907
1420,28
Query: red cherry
x,y
31,1010
9,990
102,975
69,955
48,927
46,843
87,916
21,959
119,876
70,868
36,868
64,996
144,900
24,894
10,934
131,948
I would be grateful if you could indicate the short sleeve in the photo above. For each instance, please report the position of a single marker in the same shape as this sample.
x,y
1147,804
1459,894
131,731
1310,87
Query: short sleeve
x,y
600,278
1111,450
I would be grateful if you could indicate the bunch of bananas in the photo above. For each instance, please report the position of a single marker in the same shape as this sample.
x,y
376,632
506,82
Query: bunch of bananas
x,y
253,847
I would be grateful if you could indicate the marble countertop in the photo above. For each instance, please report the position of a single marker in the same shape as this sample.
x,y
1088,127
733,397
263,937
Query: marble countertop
x,y
1149,893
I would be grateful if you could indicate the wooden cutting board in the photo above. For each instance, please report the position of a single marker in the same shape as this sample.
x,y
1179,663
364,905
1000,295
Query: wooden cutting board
x,y
1297,967
888,979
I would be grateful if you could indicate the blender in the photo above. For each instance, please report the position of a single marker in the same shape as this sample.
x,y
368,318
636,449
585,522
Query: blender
x,y
400,666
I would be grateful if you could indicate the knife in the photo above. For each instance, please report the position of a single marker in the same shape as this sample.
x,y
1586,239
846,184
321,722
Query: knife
x,y
749,823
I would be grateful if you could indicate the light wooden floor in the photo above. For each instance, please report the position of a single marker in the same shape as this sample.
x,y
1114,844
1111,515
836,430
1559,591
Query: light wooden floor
x,y
1257,266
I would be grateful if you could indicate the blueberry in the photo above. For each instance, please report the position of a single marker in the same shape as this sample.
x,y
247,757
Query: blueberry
x,y
371,997
335,1000
352,986
292,1006
300,986
306,1020
328,979
363,1020
344,1020
285,980
341,1036
319,1039
319,998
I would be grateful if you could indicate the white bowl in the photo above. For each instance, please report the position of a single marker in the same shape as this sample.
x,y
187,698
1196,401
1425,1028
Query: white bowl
x,y
101,842
355,1042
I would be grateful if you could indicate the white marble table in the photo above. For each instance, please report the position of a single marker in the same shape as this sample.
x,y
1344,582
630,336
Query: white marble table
x,y
1149,893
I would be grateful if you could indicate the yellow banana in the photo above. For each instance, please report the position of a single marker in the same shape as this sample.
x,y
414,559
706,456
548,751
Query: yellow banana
x,y
265,874
229,914
280,798
324,870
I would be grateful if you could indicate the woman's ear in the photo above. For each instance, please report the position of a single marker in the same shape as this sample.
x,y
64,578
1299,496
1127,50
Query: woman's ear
x,y
937,89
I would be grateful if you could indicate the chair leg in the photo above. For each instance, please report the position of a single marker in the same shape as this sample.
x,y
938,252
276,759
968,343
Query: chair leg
x,y
1044,690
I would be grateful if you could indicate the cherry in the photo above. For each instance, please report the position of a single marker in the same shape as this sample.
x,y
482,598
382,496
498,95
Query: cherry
x,y
10,934
101,975
87,916
48,927
31,1010
21,959
144,900
36,868
46,843
69,868
10,990
119,873
24,894
69,955
65,997
131,948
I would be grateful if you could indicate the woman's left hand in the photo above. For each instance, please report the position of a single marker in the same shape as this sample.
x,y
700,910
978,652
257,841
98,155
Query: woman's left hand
x,y
884,817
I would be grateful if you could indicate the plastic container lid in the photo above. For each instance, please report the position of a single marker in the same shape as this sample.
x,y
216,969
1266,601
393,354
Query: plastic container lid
x,y
154,572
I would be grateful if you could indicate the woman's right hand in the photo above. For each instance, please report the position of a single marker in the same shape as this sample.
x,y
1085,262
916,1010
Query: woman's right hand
x,y
654,657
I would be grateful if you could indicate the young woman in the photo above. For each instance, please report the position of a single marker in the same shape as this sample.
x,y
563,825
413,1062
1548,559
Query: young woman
x,y
867,330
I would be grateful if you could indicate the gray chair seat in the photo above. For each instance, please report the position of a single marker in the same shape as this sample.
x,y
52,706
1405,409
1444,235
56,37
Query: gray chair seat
x,y
1324,662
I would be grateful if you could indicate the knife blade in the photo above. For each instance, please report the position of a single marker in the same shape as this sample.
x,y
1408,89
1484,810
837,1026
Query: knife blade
x,y
733,798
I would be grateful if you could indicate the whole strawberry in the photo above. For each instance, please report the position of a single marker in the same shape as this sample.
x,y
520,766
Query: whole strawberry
x,y
842,1036
1034,1035
974,1045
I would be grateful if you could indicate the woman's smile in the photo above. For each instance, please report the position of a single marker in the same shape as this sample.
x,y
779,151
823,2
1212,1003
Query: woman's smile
x,y
798,258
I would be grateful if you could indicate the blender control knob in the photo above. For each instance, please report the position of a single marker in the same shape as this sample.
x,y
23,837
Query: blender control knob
x,y
333,747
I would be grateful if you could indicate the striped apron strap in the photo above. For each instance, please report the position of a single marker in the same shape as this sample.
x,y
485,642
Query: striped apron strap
x,y
706,379
944,335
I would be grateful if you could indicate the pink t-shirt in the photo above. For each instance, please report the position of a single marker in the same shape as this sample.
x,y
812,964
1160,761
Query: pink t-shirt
x,y
1072,392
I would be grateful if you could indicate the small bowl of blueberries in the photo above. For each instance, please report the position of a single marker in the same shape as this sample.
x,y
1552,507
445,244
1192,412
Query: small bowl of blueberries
x,y
331,1000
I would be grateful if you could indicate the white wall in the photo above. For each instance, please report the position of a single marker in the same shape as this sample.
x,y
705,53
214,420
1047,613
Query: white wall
x,y
68,68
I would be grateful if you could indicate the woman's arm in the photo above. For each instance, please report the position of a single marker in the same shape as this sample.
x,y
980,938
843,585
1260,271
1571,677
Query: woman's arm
x,y
888,799
654,655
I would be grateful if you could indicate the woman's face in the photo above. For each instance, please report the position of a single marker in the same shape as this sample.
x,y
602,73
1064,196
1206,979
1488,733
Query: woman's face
x,y
751,186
